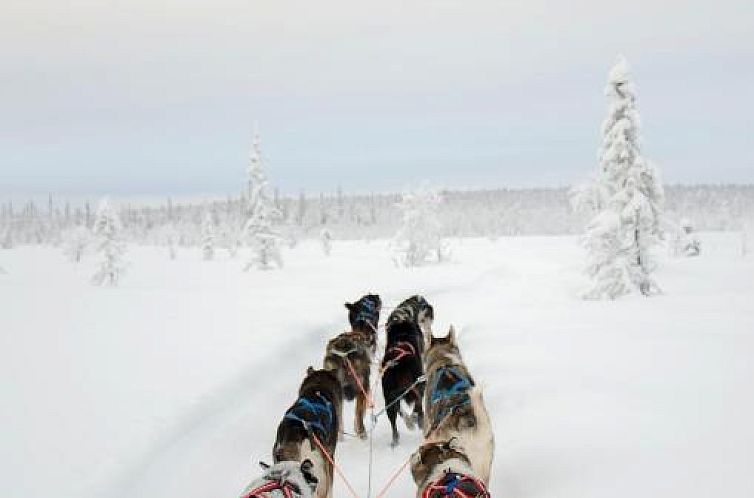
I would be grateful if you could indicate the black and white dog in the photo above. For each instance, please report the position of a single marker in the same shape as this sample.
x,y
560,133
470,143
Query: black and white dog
x,y
287,479
403,371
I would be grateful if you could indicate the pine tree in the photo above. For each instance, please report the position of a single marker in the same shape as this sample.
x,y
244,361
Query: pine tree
x,y
419,238
107,230
260,231
208,238
628,200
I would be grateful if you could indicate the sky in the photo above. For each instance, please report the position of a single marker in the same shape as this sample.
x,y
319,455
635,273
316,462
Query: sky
x,y
160,97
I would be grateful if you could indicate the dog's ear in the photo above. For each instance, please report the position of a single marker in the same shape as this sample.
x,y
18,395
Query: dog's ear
x,y
452,335
310,370
452,443
306,470
416,457
349,306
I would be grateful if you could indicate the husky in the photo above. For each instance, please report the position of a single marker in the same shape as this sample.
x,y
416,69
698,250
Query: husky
x,y
313,420
350,355
283,480
455,408
402,372
364,316
441,469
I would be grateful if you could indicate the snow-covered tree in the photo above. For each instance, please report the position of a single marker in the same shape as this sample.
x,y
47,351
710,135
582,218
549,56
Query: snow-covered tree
x,y
262,215
627,199
110,245
419,239
77,240
325,238
6,242
208,237
172,252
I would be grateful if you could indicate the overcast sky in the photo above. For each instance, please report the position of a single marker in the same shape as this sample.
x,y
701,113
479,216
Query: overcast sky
x,y
153,97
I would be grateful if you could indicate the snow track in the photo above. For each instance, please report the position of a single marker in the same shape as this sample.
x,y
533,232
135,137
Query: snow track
x,y
173,384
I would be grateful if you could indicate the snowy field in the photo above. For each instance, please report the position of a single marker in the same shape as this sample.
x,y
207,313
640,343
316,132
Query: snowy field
x,y
172,385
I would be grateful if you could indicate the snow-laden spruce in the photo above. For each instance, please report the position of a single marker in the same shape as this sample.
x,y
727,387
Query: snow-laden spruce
x,y
626,199
208,238
419,239
262,215
110,246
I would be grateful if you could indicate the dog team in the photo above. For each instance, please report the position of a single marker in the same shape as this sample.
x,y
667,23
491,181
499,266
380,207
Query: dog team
x,y
419,372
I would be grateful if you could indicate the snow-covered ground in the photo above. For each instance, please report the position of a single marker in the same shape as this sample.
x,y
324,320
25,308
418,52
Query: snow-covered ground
x,y
172,384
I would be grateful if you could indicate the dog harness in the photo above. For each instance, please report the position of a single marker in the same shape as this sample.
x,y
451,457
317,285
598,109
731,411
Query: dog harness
x,y
452,396
265,490
397,352
453,484
315,412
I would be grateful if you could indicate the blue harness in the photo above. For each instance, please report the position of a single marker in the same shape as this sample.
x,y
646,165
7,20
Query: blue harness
x,y
451,397
313,412
368,313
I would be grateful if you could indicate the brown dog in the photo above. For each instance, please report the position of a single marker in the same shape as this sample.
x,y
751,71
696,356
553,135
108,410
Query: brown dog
x,y
313,420
454,404
349,357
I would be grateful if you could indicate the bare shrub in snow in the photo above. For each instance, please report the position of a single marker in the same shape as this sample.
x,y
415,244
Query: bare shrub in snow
x,y
260,231
419,239
627,198
325,238
76,241
110,246
208,238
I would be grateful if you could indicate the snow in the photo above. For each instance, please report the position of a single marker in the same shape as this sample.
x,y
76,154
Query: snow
x,y
173,383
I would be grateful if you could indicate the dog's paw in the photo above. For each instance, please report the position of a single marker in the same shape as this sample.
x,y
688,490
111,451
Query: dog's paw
x,y
409,420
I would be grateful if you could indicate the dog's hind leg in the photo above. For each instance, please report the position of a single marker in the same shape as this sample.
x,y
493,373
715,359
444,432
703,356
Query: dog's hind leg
x,y
409,419
419,413
358,423
392,414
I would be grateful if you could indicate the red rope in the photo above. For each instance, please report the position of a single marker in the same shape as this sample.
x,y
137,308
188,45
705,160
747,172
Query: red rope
x,y
370,401
393,478
270,486
335,466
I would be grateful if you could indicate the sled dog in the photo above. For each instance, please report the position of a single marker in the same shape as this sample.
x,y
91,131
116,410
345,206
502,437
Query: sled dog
x,y
442,470
402,371
283,480
311,425
454,404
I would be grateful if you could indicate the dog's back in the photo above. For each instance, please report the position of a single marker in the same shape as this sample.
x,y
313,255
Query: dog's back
x,y
454,404
442,469
402,362
349,356
316,413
